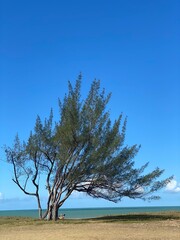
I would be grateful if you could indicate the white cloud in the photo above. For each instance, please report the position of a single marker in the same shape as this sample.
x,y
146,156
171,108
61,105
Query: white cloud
x,y
1,196
76,194
173,186
139,190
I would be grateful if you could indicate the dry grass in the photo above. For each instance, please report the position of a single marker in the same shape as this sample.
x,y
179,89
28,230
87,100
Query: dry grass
x,y
138,226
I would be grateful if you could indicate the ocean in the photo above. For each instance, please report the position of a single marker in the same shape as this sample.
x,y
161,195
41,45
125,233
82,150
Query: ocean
x,y
90,212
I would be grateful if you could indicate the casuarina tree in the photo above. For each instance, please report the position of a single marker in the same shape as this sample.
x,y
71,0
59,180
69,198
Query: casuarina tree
x,y
83,151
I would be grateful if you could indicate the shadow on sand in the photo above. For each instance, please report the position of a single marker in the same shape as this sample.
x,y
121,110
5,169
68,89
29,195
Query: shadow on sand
x,y
140,217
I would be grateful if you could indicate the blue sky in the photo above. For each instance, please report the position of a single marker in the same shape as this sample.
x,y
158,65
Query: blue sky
x,y
131,46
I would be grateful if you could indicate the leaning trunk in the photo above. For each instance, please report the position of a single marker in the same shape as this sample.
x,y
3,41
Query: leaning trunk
x,y
49,213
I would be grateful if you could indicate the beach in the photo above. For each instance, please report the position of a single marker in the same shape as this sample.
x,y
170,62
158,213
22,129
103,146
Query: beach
x,y
113,229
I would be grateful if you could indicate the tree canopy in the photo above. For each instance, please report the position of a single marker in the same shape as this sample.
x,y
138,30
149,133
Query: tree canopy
x,y
83,151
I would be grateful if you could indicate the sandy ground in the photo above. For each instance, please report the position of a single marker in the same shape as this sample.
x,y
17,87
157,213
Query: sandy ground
x,y
164,230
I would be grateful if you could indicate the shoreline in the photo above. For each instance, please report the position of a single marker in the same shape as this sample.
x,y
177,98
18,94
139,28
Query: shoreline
x,y
85,213
140,217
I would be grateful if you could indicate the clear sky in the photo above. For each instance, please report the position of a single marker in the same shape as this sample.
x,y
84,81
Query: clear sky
x,y
133,47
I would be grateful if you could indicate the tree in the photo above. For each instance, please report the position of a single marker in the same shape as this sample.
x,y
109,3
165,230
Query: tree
x,y
84,151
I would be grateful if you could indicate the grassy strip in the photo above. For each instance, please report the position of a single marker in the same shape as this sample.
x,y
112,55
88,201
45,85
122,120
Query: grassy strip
x,y
124,218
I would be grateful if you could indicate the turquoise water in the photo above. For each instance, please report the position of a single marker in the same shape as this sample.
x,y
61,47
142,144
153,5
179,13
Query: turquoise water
x,y
90,212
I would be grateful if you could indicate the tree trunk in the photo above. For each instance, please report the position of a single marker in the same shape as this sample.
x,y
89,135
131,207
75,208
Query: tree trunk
x,y
49,214
39,206
55,212
40,213
52,213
